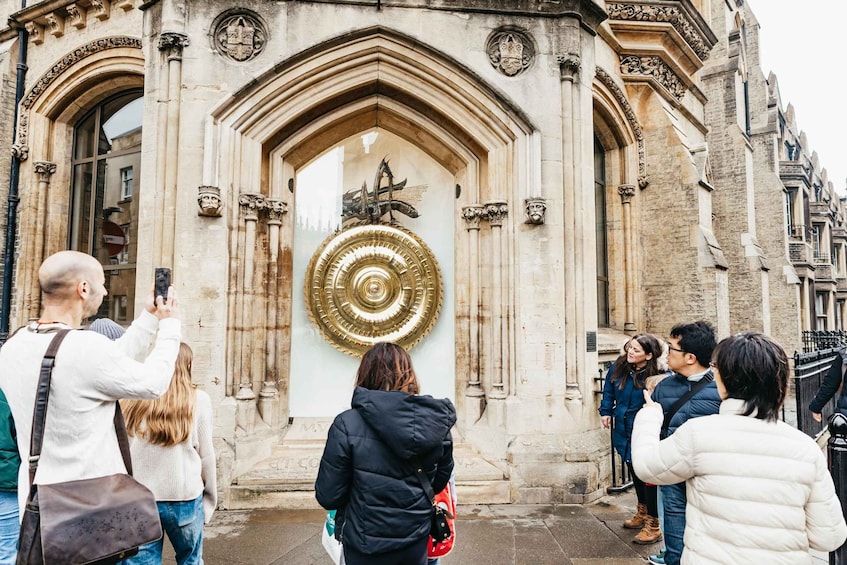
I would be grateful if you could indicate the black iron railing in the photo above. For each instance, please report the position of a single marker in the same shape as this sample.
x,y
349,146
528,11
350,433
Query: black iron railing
x,y
621,480
809,371
817,340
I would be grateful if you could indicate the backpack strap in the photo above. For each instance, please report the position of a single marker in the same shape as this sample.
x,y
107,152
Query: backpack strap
x,y
698,386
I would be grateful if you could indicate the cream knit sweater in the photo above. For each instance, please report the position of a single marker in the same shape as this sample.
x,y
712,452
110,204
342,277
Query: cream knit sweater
x,y
181,472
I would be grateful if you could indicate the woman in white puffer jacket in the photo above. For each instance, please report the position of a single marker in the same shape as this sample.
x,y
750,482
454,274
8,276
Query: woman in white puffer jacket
x,y
758,489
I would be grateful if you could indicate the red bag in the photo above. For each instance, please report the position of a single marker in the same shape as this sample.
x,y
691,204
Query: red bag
x,y
446,500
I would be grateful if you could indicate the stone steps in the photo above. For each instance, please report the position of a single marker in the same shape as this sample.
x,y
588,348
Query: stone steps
x,y
286,479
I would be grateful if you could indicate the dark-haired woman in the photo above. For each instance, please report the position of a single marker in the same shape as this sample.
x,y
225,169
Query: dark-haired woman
x,y
759,490
622,399
367,471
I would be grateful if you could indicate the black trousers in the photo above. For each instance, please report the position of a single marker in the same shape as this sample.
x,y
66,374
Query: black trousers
x,y
647,494
414,554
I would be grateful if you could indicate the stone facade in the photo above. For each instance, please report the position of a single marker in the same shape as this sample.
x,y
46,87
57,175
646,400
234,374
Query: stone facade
x,y
583,172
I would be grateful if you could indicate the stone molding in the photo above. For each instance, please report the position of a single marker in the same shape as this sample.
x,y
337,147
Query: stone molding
x,y
609,82
653,67
20,148
674,15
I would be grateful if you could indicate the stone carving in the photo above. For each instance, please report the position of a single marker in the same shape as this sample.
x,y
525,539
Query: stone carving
x,y
173,43
626,191
473,214
661,13
240,36
251,204
209,200
100,9
653,67
606,79
56,23
76,15
510,52
536,207
55,71
44,170
496,211
275,209
569,66
36,32
20,152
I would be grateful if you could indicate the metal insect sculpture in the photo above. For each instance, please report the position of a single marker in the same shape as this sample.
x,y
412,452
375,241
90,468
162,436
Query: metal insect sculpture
x,y
372,205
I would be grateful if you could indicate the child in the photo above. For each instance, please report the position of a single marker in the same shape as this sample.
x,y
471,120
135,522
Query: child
x,y
172,455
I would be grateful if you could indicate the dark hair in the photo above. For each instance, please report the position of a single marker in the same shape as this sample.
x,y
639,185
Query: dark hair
x,y
697,338
651,344
754,368
387,366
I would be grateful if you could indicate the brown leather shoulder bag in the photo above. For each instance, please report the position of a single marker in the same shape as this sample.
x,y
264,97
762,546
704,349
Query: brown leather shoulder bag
x,y
96,521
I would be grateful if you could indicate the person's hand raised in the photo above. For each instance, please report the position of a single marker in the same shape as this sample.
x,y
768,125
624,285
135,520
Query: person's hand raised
x,y
162,307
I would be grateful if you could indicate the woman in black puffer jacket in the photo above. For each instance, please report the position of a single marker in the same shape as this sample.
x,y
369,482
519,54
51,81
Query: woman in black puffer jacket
x,y
372,450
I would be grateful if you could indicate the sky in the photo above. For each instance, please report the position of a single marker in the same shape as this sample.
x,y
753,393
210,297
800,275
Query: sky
x,y
803,44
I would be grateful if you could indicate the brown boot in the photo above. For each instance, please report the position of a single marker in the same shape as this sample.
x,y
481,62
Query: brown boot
x,y
650,533
638,520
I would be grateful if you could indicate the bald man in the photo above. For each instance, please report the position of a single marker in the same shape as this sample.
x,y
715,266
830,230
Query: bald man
x,y
91,372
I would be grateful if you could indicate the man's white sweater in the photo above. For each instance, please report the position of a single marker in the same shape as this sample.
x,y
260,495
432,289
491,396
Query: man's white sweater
x,y
91,372
184,471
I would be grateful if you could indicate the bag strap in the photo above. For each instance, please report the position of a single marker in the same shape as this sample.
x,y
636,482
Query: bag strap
x,y
698,386
424,479
39,413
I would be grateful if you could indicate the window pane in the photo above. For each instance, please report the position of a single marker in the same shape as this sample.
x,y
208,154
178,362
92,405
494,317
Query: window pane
x,y
81,217
121,119
84,138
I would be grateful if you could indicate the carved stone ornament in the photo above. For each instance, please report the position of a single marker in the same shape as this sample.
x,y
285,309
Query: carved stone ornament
x,y
536,207
658,13
240,36
44,170
653,67
371,283
473,214
209,200
275,209
496,211
606,79
251,204
172,43
67,61
626,192
510,52
569,66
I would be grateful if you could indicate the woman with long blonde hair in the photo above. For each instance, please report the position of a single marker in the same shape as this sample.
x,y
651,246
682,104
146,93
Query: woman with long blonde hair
x,y
172,455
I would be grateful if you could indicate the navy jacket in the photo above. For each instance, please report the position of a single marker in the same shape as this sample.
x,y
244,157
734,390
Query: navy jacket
x,y
10,458
367,470
705,403
829,387
622,404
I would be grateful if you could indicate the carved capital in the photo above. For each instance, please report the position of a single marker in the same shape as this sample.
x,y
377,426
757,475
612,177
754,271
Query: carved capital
x,y
209,200
626,191
44,170
569,66
275,210
496,211
472,215
251,204
536,208
172,43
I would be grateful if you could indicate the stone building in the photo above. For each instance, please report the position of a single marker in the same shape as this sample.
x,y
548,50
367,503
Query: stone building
x,y
508,188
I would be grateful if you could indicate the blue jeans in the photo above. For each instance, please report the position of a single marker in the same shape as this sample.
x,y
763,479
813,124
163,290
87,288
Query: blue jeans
x,y
9,527
183,524
673,500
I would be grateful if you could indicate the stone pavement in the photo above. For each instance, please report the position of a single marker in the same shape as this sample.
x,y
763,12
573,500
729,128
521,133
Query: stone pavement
x,y
486,535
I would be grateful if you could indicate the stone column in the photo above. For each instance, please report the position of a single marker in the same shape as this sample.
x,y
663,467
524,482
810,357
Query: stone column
x,y
475,395
269,395
171,44
251,205
627,191
496,211
37,239
568,68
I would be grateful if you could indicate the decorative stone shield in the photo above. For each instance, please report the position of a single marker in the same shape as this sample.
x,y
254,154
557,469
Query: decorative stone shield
x,y
371,283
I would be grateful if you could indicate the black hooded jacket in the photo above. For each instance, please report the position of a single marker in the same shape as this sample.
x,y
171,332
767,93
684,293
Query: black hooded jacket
x,y
367,474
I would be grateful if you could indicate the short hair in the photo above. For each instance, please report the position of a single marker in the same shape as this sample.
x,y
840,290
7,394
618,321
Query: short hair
x,y
754,368
697,338
387,366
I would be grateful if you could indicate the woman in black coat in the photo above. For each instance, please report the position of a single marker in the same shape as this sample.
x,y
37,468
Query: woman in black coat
x,y
367,471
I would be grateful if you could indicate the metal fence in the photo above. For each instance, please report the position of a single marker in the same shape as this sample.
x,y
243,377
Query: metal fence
x,y
818,340
809,372
621,480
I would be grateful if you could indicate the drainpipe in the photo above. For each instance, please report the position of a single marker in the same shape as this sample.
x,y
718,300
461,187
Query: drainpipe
x,y
14,181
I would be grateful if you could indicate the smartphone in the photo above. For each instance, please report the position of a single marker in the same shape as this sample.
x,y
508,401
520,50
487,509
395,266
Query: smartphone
x,y
163,281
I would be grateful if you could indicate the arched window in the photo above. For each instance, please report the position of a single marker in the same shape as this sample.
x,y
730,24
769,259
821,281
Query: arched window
x,y
106,163
603,317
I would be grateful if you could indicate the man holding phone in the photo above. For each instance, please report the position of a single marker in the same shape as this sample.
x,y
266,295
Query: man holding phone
x,y
91,372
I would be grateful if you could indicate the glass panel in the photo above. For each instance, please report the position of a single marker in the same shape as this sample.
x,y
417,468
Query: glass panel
x,y
84,137
121,122
81,218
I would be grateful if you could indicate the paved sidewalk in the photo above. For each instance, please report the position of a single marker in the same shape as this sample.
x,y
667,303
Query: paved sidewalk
x,y
486,535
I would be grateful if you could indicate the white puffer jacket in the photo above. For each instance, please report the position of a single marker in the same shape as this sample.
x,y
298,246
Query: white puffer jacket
x,y
758,492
